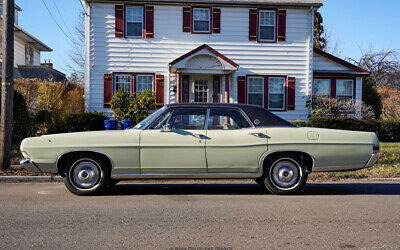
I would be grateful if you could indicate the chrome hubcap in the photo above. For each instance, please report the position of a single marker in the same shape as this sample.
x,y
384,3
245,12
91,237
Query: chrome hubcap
x,y
86,174
285,174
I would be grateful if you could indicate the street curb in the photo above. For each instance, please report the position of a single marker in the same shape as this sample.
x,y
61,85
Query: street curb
x,y
30,178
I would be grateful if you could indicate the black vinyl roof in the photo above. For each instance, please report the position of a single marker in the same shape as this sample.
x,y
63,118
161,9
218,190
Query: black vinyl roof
x,y
254,112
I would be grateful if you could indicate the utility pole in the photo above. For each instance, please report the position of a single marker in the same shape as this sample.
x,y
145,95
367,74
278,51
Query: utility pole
x,y
7,83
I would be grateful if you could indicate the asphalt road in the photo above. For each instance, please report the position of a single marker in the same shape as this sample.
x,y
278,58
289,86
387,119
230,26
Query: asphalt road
x,y
200,216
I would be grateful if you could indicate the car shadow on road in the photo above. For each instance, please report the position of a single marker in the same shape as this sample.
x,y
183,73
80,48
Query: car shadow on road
x,y
254,189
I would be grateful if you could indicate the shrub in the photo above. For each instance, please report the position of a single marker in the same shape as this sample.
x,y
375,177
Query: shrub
x,y
390,103
299,123
389,131
343,123
73,100
29,89
120,105
371,97
141,104
21,121
88,121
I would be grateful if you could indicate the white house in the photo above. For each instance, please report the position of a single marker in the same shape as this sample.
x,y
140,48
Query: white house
x,y
27,53
237,51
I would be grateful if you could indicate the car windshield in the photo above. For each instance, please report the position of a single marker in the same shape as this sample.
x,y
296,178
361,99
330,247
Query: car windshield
x,y
143,123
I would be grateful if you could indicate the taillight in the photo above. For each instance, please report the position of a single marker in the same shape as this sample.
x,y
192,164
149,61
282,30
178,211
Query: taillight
x,y
375,148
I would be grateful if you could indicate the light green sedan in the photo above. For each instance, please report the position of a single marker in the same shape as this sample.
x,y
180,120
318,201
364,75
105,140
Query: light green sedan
x,y
201,141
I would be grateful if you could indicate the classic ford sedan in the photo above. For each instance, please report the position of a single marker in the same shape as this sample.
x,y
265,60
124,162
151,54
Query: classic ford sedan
x,y
201,141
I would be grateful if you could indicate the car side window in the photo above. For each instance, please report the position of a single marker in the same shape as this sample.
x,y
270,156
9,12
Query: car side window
x,y
188,118
225,119
161,121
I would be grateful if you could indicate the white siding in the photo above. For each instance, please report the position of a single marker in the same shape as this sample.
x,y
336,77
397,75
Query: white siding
x,y
109,54
36,57
19,53
322,63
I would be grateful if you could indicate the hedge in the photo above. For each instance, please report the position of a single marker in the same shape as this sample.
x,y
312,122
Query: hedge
x,y
387,130
87,121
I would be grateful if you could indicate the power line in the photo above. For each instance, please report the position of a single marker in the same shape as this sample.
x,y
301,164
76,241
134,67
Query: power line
x,y
65,34
62,19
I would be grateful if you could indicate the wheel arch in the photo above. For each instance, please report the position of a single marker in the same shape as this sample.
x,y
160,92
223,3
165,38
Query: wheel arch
x,y
62,159
307,158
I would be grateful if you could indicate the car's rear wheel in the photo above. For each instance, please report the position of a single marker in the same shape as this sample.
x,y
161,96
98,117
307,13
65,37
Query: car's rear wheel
x,y
86,175
284,174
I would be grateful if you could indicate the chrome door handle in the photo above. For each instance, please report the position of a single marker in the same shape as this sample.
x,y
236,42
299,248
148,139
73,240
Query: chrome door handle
x,y
257,134
200,136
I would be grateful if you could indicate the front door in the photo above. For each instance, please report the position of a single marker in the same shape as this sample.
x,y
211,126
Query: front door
x,y
179,148
200,91
233,146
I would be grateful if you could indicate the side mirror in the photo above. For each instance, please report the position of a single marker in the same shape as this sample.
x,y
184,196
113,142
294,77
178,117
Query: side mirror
x,y
166,128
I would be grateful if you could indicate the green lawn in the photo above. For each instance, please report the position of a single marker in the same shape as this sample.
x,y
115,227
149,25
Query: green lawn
x,y
387,167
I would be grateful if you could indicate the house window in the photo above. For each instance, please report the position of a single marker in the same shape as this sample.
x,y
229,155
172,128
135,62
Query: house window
x,y
255,90
267,25
134,21
276,93
322,87
200,91
144,82
344,89
201,20
122,82
28,55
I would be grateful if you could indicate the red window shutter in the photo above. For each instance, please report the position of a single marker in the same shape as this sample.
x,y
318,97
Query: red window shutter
x,y
159,90
253,21
241,89
282,25
119,21
266,92
133,83
216,20
291,92
108,89
187,19
149,30
333,88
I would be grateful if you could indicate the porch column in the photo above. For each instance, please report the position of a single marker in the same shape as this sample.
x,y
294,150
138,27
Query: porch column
x,y
227,76
178,87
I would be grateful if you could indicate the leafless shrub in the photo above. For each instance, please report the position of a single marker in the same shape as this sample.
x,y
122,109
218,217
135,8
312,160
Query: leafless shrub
x,y
323,106
390,102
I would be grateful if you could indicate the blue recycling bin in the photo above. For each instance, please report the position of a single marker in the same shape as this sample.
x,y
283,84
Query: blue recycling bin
x,y
125,124
111,124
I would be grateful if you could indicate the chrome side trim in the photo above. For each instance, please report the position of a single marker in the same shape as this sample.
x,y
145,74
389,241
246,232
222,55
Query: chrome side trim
x,y
28,165
373,160
338,168
188,176
91,151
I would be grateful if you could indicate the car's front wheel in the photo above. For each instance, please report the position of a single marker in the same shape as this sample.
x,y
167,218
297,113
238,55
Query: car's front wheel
x,y
284,174
86,175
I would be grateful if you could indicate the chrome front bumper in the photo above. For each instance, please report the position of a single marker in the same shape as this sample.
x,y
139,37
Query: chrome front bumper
x,y
28,165
373,160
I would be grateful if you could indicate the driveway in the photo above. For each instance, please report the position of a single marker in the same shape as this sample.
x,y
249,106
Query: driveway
x,y
364,215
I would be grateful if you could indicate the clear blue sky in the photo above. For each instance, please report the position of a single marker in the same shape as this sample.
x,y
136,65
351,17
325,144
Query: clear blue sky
x,y
354,25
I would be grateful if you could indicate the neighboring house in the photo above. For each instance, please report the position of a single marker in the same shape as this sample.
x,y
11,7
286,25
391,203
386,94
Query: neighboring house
x,y
27,51
237,51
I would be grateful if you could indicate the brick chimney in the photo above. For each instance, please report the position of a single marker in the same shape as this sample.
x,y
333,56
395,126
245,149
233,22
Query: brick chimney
x,y
48,64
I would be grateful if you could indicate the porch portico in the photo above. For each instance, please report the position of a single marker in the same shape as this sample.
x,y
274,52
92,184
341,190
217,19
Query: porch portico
x,y
202,75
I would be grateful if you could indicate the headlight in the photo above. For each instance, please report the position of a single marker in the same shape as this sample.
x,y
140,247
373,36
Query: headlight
x,y
24,154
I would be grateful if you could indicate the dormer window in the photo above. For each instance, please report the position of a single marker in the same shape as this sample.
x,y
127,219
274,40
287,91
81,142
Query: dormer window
x,y
134,21
267,25
201,20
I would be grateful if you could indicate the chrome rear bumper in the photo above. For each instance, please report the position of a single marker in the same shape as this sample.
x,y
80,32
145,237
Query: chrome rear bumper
x,y
28,165
373,160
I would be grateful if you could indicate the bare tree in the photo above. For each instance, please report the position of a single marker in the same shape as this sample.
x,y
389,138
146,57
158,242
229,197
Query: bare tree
x,y
384,66
76,62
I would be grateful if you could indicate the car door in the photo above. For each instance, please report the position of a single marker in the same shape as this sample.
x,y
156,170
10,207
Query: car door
x,y
175,143
233,145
